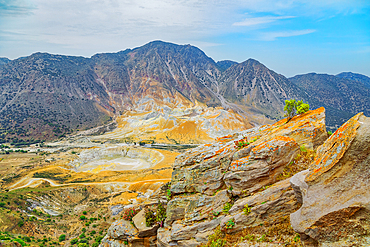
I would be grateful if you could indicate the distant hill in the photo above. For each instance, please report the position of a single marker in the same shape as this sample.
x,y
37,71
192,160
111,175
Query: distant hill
x,y
355,77
4,60
225,64
45,96
341,97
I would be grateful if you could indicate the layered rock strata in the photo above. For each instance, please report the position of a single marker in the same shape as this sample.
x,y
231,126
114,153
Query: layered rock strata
x,y
216,184
335,190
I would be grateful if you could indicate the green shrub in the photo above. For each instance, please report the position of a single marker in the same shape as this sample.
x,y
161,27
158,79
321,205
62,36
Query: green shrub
x,y
227,207
82,217
149,217
84,240
84,212
293,107
230,224
74,241
4,237
62,238
168,196
161,214
27,239
20,223
98,239
158,216
246,209
303,148
20,241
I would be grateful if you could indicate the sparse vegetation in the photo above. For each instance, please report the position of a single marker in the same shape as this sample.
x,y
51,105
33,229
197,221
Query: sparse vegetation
x,y
168,195
246,209
155,216
216,239
293,107
241,143
230,224
227,207
128,214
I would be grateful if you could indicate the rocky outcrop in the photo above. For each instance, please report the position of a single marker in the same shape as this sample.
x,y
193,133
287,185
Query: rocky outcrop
x,y
140,223
119,233
335,190
232,185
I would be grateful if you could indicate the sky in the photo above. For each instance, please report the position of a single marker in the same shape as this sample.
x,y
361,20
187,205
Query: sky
x,y
289,36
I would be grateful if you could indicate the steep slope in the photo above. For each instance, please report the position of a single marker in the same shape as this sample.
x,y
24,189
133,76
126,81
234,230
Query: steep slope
x,y
169,86
157,73
355,77
256,88
342,98
44,96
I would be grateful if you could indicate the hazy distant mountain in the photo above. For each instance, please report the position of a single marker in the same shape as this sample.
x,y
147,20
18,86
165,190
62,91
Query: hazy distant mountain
x,y
341,97
4,60
355,77
225,64
44,96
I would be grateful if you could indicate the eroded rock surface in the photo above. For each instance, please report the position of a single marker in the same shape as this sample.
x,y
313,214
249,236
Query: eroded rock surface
x,y
209,177
119,232
335,190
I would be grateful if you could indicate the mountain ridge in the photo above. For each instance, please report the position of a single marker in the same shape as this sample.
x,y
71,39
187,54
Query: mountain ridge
x,y
45,96
355,77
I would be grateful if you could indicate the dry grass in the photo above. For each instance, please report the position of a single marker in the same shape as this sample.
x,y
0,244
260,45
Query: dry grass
x,y
301,162
275,233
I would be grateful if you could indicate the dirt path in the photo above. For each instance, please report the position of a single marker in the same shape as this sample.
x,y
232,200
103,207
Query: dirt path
x,y
34,182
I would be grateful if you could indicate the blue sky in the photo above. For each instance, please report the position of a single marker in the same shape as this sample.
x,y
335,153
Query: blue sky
x,y
290,37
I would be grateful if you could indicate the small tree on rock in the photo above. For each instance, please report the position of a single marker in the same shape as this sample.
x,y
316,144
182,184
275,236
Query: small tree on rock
x,y
293,107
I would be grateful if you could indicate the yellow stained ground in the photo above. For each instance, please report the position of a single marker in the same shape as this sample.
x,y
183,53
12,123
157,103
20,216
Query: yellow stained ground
x,y
30,166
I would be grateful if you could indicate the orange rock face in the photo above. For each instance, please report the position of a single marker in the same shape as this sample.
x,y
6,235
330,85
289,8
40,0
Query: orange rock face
x,y
334,148
335,189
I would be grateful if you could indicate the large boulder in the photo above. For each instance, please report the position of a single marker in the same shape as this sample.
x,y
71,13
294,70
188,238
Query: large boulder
x,y
335,190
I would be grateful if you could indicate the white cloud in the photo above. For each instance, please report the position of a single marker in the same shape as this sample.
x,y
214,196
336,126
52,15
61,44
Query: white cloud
x,y
84,27
252,21
270,36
